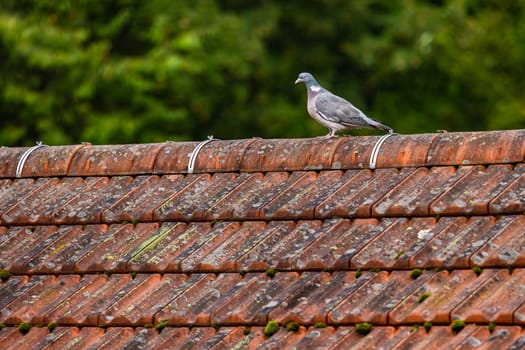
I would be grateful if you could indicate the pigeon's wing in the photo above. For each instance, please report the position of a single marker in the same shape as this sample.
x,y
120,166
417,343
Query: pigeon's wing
x,y
338,110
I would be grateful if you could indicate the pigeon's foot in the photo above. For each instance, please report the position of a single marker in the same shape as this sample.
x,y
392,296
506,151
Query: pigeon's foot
x,y
328,136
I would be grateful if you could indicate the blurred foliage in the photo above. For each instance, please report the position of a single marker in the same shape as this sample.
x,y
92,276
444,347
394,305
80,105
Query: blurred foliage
x,y
128,71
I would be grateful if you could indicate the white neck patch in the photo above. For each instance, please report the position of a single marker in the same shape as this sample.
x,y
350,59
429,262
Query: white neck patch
x,y
315,88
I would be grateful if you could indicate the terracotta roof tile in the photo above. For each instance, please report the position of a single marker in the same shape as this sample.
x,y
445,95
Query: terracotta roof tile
x,y
291,154
357,196
90,205
38,298
159,251
141,201
119,247
149,295
59,252
477,148
506,247
301,197
114,160
92,296
257,297
397,243
201,194
115,248
43,161
114,338
335,244
512,198
405,151
435,299
195,305
376,298
414,195
454,245
20,243
473,192
495,300
32,339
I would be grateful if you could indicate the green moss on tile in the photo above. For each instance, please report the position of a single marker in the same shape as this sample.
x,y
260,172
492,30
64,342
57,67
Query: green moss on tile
x,y
292,326
358,273
421,298
320,325
492,326
2,325
4,275
24,327
243,273
427,325
51,326
270,273
415,273
133,274
161,325
477,270
271,328
374,269
457,326
247,330
363,328
400,254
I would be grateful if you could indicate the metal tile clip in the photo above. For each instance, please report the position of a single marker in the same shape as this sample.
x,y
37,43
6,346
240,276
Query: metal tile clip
x,y
375,150
21,162
193,155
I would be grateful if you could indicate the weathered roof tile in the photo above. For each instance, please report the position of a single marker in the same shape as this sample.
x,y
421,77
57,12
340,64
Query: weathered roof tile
x,y
290,154
114,160
253,302
495,300
92,296
139,305
454,245
39,297
116,248
473,192
357,196
43,161
468,148
195,305
376,298
302,231
435,299
506,247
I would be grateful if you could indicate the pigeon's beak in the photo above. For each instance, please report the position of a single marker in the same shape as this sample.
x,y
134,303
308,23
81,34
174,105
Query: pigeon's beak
x,y
298,81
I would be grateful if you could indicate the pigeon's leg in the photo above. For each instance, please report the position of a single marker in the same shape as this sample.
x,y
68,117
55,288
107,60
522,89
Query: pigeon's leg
x,y
330,134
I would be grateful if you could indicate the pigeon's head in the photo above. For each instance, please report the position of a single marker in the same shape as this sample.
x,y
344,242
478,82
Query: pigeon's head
x,y
307,79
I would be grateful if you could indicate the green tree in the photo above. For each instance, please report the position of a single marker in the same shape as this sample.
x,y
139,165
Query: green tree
x,y
146,71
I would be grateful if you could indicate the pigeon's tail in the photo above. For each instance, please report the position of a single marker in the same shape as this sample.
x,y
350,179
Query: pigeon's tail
x,y
380,126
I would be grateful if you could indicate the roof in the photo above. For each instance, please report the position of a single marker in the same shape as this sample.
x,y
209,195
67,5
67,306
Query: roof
x,y
118,246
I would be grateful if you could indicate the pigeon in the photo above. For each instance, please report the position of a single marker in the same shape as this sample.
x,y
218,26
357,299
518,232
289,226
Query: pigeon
x,y
335,112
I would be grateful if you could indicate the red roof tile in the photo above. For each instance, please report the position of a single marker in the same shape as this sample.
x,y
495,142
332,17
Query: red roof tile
x,y
118,246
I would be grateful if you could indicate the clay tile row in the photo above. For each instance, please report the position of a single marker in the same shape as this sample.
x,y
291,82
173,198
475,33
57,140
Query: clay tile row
x,y
230,299
465,148
472,336
335,244
467,190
